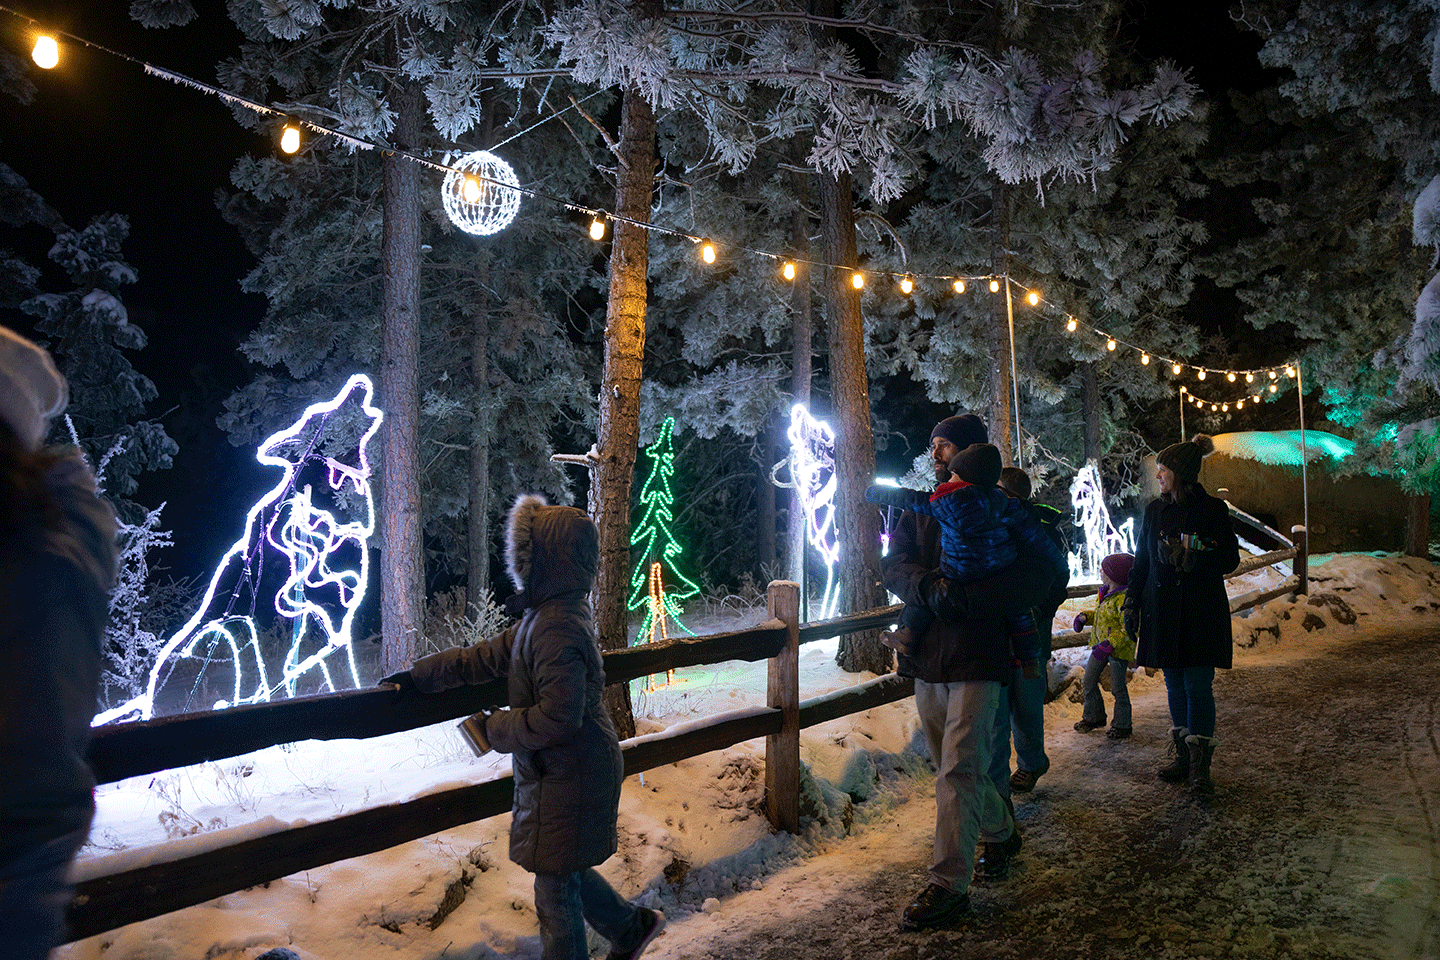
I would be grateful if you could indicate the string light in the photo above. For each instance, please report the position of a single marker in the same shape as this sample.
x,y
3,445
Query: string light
x,y
1145,361
597,228
1249,377
1072,324
1110,345
857,280
46,52
1201,374
707,251
788,271
994,286
906,284
1272,374
1034,298
656,544
1272,388
1175,369
959,286
1231,376
290,137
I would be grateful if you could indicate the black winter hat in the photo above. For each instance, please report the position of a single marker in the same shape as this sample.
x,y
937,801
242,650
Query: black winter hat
x,y
1183,458
962,431
978,463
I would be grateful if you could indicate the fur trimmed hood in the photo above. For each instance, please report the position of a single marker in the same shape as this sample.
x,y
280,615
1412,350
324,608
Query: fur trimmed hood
x,y
550,550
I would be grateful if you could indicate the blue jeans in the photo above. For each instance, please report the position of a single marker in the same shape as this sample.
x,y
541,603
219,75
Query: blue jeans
x,y
565,901
1021,711
1191,691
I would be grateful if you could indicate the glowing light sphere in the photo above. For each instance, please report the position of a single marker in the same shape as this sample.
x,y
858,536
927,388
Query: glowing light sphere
x,y
906,285
1201,374
1230,376
1175,369
857,280
1144,359
1110,344
496,197
707,252
1033,297
994,286
1072,325
46,53
1249,378
597,228
789,270
959,286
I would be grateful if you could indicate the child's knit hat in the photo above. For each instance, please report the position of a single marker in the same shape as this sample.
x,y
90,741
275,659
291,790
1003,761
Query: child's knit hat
x,y
1117,567
977,464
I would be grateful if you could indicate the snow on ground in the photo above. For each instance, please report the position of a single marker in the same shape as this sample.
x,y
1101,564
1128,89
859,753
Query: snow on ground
x,y
694,841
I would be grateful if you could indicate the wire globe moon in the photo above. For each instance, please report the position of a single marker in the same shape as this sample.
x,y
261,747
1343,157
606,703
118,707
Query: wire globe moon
x,y
496,204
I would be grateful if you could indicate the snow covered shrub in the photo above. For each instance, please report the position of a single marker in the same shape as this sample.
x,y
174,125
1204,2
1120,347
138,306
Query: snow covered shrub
x,y
452,620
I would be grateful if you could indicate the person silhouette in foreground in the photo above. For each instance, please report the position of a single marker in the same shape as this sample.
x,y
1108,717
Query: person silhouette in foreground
x,y
959,664
564,751
57,565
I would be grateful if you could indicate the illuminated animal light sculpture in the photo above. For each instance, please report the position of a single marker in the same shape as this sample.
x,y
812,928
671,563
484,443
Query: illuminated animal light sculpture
x,y
1092,519
326,563
812,474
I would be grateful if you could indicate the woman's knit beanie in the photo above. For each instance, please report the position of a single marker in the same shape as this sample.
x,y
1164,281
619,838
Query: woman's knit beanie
x,y
1183,459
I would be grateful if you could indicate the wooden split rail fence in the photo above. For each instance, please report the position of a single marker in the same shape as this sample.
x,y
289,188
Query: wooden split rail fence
x,y
134,749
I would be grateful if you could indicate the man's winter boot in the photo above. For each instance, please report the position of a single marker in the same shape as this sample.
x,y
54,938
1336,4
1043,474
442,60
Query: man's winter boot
x,y
1179,769
1202,749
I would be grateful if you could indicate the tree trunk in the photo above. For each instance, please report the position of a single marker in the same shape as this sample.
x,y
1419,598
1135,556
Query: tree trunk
x,y
764,507
802,327
1417,526
1000,414
477,532
402,571
857,524
619,431
1091,414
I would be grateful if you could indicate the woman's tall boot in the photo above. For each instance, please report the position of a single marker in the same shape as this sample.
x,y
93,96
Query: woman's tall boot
x,y
1179,769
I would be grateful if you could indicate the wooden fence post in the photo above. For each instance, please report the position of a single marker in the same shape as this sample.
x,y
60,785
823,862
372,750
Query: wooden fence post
x,y
782,750
1301,536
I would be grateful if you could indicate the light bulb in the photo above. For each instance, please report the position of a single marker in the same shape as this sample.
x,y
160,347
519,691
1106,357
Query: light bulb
x,y
1213,408
1230,376
597,228
1201,374
994,286
788,271
1144,359
1272,374
1182,389
470,190
857,280
1072,324
1175,369
1272,388
1224,408
959,286
1289,371
290,137
1110,344
1249,378
46,53
1033,297
707,252
906,285
1239,404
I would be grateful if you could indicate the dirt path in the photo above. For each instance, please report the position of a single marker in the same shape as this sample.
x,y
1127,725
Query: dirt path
x,y
1323,840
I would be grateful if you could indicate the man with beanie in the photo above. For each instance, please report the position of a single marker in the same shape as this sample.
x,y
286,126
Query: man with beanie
x,y
959,665
1176,605
57,564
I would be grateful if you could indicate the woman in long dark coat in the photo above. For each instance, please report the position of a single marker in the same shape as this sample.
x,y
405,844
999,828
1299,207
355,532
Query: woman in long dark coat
x,y
1177,604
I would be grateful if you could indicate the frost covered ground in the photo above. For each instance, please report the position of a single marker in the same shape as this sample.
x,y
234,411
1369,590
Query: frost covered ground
x,y
1323,839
